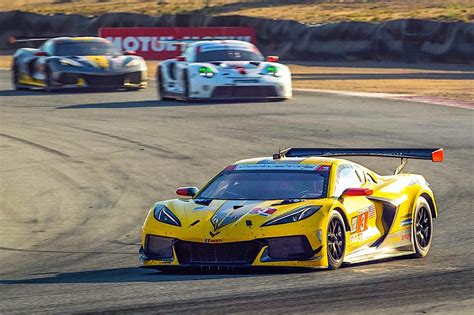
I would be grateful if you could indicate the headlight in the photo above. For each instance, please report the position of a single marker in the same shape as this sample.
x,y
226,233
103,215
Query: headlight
x,y
67,62
206,72
133,63
272,70
293,216
163,214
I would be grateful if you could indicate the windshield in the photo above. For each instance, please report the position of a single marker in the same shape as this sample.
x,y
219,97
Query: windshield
x,y
266,185
82,48
228,55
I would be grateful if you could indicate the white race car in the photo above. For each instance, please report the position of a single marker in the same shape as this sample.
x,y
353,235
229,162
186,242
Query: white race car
x,y
223,70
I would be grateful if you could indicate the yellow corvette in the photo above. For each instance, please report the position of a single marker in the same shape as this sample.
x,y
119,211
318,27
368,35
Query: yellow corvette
x,y
77,62
300,208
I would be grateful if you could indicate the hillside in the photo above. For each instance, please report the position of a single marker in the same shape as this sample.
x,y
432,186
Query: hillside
x,y
310,12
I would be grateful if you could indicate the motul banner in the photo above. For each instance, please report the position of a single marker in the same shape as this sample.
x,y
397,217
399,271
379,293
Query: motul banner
x,y
150,42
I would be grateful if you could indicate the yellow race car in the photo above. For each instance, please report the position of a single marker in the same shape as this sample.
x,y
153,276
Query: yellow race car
x,y
77,62
300,208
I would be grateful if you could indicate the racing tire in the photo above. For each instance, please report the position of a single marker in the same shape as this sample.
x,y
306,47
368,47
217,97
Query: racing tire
x,y
161,88
49,85
422,228
187,86
16,79
335,241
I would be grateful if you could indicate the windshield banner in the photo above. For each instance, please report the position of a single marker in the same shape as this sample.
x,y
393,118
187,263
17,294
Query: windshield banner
x,y
276,166
151,42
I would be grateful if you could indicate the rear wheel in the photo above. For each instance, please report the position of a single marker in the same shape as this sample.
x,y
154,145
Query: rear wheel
x,y
422,228
336,241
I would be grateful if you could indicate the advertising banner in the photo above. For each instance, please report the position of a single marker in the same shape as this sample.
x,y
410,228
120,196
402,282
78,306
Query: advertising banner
x,y
151,42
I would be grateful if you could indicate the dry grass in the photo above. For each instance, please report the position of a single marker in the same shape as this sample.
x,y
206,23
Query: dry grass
x,y
447,84
311,12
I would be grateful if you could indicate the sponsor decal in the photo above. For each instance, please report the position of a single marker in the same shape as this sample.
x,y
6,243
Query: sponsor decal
x,y
324,168
159,43
353,224
213,241
405,237
356,238
287,161
266,212
371,211
211,47
276,166
362,222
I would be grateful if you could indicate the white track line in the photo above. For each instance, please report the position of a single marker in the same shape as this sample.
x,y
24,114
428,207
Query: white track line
x,y
404,97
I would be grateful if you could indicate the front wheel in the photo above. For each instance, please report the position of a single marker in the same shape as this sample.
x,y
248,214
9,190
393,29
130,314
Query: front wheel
x,y
422,228
336,241
187,85
16,79
48,80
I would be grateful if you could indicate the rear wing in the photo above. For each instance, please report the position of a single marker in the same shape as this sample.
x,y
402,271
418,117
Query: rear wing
x,y
433,154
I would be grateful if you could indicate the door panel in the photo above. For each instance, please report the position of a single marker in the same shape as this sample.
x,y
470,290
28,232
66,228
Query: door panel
x,y
362,216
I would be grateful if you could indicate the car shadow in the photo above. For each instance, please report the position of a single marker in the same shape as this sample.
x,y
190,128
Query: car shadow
x,y
135,274
158,103
58,92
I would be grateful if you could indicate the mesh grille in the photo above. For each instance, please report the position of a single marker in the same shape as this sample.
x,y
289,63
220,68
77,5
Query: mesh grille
x,y
226,253
244,92
289,248
157,247
104,81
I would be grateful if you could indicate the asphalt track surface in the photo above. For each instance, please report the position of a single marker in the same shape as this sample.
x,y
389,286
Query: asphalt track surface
x,y
78,172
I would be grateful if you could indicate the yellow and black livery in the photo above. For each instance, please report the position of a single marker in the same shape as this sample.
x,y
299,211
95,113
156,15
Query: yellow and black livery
x,y
77,62
300,208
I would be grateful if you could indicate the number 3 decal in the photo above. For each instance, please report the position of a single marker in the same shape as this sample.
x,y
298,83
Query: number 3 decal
x,y
362,221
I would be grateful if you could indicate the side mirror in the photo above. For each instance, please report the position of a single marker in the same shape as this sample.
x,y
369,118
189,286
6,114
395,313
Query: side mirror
x,y
272,58
181,58
187,191
354,192
129,53
40,53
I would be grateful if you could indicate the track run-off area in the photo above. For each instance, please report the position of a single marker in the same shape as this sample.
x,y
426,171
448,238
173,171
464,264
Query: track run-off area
x,y
79,171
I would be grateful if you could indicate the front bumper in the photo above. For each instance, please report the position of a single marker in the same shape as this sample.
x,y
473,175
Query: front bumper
x,y
287,251
234,88
136,79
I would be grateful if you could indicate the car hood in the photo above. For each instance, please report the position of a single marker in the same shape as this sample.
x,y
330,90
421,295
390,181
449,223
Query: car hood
x,y
225,214
100,62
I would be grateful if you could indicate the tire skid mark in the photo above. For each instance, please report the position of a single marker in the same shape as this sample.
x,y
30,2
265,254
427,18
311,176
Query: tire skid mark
x,y
164,152
41,147
55,160
36,145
